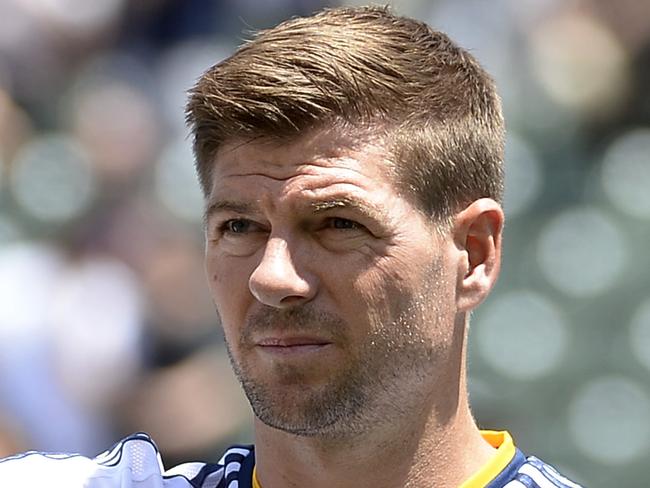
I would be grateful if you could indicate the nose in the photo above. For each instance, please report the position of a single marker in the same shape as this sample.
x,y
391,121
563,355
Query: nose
x,y
276,281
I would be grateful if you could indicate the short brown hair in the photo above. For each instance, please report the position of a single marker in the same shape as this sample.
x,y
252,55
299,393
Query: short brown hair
x,y
366,68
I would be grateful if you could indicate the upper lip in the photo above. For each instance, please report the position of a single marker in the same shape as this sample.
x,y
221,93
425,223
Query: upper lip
x,y
288,341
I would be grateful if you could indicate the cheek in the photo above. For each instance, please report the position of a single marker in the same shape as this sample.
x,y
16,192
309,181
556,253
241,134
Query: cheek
x,y
404,288
216,275
228,282
389,278
380,293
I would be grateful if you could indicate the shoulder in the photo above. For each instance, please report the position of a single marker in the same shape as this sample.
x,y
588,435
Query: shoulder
x,y
534,473
134,461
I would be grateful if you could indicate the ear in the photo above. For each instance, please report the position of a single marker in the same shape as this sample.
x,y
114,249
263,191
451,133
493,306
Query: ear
x,y
477,234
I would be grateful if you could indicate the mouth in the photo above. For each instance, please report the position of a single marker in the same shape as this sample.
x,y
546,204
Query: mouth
x,y
296,345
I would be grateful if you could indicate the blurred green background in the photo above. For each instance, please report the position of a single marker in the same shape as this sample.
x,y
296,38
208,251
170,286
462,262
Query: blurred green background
x,y
106,326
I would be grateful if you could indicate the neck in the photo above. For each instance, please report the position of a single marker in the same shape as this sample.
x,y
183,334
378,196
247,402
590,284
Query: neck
x,y
416,451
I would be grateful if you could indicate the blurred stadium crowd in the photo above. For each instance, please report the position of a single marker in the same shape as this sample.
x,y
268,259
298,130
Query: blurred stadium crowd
x,y
106,326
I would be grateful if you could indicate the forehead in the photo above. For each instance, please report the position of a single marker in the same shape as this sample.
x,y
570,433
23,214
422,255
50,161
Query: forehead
x,y
329,156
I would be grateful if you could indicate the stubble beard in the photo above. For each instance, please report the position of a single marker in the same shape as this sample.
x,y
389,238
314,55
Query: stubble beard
x,y
386,379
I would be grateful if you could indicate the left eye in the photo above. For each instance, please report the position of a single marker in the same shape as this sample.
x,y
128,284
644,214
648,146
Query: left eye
x,y
339,223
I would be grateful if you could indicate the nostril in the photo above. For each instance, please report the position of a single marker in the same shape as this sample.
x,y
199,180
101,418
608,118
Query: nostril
x,y
292,300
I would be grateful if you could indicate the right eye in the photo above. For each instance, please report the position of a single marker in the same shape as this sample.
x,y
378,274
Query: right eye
x,y
237,236
236,226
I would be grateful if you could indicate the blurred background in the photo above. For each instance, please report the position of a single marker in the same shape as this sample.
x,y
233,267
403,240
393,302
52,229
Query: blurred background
x,y
106,326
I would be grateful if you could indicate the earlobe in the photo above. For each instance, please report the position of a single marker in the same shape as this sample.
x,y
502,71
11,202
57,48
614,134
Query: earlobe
x,y
477,235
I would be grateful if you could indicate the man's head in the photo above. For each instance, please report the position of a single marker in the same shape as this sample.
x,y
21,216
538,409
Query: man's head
x,y
331,151
366,72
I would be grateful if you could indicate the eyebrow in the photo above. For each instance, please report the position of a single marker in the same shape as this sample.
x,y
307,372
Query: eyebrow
x,y
348,203
317,207
227,206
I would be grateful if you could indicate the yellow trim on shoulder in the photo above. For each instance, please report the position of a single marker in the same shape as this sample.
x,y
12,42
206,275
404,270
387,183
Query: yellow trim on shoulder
x,y
256,483
505,447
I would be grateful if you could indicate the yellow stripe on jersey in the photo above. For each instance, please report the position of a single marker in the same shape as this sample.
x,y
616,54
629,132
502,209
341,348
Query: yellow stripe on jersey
x,y
505,447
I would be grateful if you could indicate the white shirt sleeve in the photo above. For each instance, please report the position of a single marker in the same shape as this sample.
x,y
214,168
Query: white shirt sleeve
x,y
131,463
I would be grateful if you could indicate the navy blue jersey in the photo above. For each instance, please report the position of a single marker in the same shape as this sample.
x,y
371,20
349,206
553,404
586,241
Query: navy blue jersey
x,y
135,462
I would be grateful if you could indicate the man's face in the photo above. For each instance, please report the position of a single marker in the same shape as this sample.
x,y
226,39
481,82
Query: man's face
x,y
337,297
